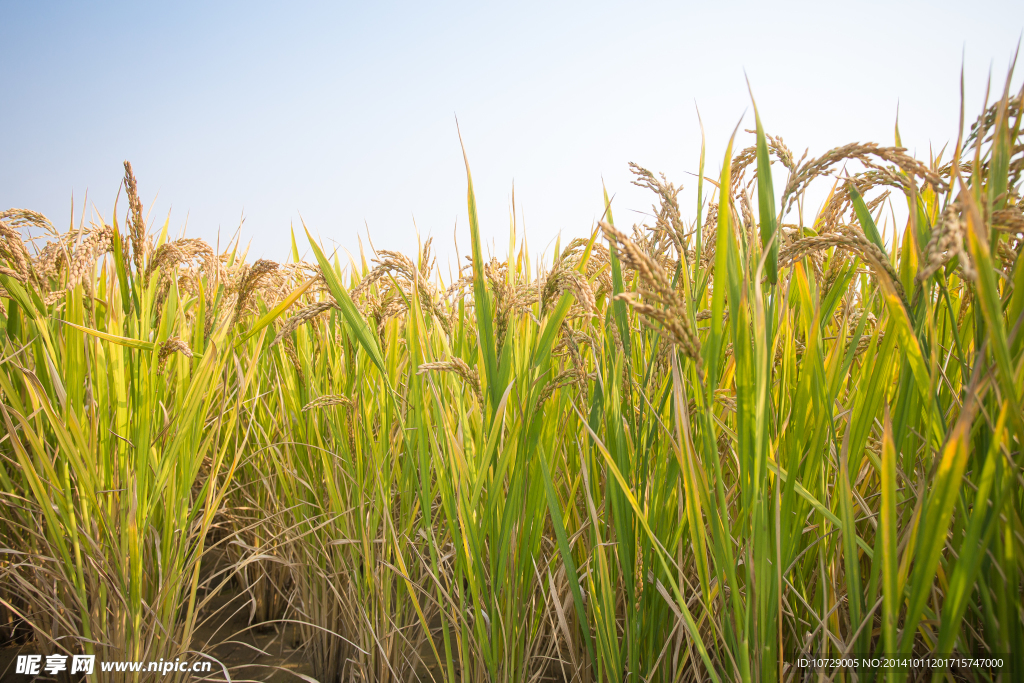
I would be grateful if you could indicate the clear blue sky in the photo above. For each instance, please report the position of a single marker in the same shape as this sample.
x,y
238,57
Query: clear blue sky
x,y
345,113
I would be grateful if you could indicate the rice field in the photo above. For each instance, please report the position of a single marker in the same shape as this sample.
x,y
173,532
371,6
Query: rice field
x,y
688,450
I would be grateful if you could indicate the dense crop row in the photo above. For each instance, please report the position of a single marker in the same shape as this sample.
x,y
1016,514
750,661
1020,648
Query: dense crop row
x,y
683,452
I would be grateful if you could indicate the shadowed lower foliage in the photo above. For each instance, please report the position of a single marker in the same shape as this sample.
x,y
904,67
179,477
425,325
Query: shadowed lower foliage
x,y
678,452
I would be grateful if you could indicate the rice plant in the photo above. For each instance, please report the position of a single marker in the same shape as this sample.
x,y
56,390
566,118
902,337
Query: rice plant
x,y
688,450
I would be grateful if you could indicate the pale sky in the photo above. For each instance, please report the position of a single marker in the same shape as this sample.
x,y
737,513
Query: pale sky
x,y
345,114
